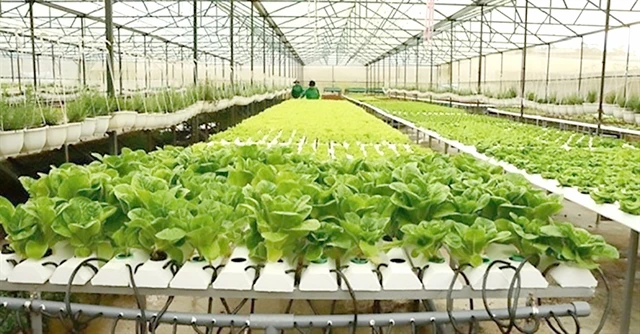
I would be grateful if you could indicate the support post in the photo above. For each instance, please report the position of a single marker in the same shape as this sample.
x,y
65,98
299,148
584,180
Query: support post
x,y
417,64
501,69
83,59
383,74
264,51
13,75
451,57
632,259
431,71
252,46
546,80
626,68
405,67
602,74
195,41
166,63
120,86
145,67
480,49
524,59
108,25
581,62
33,45
396,63
232,62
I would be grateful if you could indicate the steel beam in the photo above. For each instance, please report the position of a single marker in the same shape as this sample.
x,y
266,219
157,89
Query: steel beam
x,y
523,72
108,26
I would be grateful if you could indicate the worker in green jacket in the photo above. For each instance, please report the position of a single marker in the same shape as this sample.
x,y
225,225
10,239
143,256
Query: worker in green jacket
x,y
312,93
297,90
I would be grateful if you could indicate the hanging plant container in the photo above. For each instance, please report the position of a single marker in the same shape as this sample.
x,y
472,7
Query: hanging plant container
x,y
115,272
11,142
618,113
235,275
56,136
74,131
122,121
141,121
102,124
32,271
88,128
276,277
629,116
195,274
34,140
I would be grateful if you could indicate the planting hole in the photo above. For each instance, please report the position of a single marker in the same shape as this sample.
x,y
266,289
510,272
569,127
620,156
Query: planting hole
x,y
48,253
485,260
397,260
358,260
516,258
320,260
198,259
6,249
436,260
238,259
387,238
123,255
280,261
158,256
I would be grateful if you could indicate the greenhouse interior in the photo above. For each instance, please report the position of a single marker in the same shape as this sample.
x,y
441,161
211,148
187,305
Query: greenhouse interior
x,y
357,166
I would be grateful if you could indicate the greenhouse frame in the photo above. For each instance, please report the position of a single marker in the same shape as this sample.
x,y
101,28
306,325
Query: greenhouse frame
x,y
470,166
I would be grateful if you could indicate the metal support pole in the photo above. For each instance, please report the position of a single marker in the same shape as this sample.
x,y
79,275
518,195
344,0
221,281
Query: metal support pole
x,y
279,58
83,60
501,69
451,58
13,75
417,64
604,66
232,62
632,260
120,86
524,59
396,63
405,67
252,46
581,61
108,25
626,68
480,49
33,45
431,71
546,80
166,63
264,51
273,57
146,69
181,65
384,80
36,317
195,41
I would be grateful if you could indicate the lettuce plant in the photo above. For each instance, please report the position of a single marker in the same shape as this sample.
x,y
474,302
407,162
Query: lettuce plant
x,y
427,238
468,242
80,221
364,231
28,226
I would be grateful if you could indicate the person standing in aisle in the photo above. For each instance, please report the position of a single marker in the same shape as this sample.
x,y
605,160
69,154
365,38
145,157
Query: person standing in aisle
x,y
297,90
312,93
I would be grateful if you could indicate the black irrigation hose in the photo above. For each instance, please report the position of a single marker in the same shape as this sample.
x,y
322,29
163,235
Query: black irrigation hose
x,y
457,272
77,325
607,308
501,327
115,324
562,330
154,322
512,308
353,299
143,320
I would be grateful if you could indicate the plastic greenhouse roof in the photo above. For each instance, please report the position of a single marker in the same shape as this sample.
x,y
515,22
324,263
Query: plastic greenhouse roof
x,y
318,32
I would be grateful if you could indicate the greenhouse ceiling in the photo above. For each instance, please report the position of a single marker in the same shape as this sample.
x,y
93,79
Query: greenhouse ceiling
x,y
323,32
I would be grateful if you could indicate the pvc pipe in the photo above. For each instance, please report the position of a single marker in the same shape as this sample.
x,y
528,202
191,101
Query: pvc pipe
x,y
287,321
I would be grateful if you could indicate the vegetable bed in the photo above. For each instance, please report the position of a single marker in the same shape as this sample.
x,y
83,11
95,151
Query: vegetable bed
x,y
195,206
606,169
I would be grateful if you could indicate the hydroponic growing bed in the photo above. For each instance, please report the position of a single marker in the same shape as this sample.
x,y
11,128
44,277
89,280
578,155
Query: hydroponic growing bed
x,y
310,209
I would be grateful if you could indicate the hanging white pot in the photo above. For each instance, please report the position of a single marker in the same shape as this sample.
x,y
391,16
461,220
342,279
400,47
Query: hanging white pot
x,y
629,116
115,272
195,274
141,121
34,140
238,273
618,113
318,276
32,271
223,104
122,120
74,130
56,135
102,124
11,142
88,128
637,117
276,277
608,109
